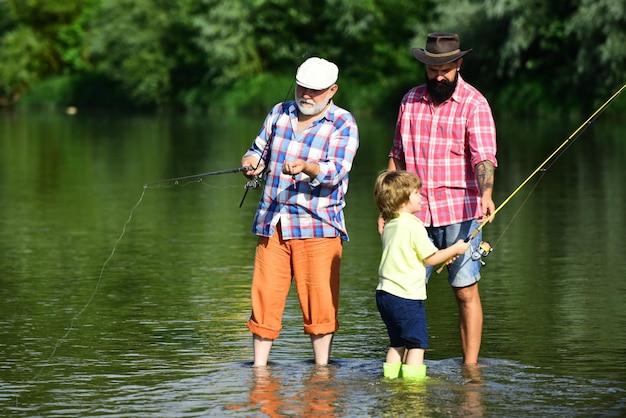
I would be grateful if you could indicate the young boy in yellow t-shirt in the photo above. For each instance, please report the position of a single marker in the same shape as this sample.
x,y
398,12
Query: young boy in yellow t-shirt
x,y
401,289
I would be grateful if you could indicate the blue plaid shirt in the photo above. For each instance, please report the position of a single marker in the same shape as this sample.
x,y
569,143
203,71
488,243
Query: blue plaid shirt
x,y
306,207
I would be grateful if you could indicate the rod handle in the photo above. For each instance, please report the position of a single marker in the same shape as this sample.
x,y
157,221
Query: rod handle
x,y
445,263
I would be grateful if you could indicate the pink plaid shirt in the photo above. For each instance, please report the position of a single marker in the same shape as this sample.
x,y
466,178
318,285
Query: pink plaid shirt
x,y
443,144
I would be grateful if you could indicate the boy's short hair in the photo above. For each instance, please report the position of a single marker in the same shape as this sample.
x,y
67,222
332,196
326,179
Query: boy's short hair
x,y
392,190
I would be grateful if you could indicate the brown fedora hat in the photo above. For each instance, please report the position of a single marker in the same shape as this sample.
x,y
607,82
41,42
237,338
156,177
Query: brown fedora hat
x,y
441,48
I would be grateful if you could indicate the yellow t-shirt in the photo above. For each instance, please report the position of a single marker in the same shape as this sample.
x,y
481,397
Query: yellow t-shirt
x,y
405,245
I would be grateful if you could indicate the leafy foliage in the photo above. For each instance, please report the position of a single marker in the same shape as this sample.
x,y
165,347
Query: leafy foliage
x,y
532,51
201,53
24,58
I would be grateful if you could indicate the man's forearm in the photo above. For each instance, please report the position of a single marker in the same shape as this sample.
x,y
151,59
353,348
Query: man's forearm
x,y
485,173
311,169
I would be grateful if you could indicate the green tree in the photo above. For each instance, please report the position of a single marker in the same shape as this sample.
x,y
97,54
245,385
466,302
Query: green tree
x,y
52,21
598,29
23,56
530,51
172,53
226,37
369,40
193,53
126,43
38,39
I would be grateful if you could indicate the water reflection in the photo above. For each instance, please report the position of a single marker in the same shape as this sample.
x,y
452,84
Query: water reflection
x,y
356,388
265,392
450,389
320,392
404,399
471,404
309,391
165,334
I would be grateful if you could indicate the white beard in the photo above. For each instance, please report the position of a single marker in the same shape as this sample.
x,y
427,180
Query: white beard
x,y
308,107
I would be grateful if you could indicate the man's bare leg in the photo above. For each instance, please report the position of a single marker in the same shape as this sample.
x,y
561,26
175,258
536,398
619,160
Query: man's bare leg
x,y
262,347
470,321
322,345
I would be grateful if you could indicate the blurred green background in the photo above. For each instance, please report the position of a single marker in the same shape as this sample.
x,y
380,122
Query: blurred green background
x,y
528,56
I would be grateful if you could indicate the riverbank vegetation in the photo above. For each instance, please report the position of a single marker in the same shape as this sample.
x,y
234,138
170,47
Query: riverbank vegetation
x,y
241,55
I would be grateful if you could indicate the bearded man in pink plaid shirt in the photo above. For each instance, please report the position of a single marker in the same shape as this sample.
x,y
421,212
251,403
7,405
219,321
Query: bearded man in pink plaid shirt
x,y
445,133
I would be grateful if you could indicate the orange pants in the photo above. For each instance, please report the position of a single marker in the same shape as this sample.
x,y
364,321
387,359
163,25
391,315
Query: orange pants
x,y
313,264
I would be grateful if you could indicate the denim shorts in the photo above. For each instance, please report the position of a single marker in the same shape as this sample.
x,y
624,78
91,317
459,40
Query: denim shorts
x,y
405,320
464,271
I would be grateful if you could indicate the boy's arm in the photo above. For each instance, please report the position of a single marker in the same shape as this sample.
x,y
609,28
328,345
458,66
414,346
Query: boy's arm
x,y
451,252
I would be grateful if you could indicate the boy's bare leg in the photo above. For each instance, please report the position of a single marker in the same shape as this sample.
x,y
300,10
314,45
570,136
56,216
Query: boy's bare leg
x,y
395,355
414,357
414,368
262,347
322,345
470,321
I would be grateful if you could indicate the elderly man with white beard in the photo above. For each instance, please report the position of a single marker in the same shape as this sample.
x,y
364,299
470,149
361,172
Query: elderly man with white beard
x,y
305,148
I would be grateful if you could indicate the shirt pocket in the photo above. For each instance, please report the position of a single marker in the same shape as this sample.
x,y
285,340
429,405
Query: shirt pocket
x,y
452,173
457,148
452,133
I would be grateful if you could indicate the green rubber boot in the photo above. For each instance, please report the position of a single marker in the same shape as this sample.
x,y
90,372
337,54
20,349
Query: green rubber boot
x,y
391,370
414,372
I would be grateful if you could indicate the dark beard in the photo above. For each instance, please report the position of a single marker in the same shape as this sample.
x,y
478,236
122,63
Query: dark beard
x,y
440,91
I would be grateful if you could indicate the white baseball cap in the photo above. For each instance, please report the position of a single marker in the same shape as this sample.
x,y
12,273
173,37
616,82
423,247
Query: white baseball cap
x,y
317,74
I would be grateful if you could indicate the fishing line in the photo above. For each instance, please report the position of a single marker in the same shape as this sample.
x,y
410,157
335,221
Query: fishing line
x,y
473,249
194,178
255,182
552,158
166,183
519,209
95,290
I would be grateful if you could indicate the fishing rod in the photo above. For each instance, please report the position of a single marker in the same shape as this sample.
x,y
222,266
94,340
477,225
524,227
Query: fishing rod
x,y
252,183
257,179
193,178
161,183
484,247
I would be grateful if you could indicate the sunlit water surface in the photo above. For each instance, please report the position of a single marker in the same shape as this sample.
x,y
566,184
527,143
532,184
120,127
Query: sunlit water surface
x,y
159,329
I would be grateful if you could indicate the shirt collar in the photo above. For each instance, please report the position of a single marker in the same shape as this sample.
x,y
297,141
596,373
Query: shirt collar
x,y
460,86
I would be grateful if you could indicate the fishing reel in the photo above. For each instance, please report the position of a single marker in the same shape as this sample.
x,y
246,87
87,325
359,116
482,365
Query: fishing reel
x,y
253,183
483,250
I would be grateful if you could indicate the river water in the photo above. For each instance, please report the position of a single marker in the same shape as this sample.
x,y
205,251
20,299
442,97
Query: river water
x,y
153,323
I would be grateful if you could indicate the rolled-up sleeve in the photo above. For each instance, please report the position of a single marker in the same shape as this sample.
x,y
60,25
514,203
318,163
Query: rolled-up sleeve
x,y
342,147
481,131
